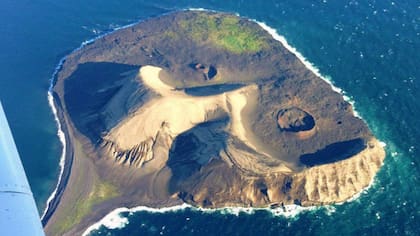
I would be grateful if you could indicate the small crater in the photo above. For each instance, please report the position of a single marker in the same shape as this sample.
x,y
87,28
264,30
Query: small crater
x,y
294,119
199,66
209,72
212,72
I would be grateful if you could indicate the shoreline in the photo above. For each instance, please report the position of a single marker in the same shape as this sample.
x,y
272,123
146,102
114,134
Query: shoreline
x,y
61,137
114,220
66,162
67,154
55,196
273,32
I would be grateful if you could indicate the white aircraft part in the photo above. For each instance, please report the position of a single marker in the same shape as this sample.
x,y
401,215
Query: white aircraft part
x,y
18,212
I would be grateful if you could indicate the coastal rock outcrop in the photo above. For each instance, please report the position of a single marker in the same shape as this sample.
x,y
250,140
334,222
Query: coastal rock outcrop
x,y
205,108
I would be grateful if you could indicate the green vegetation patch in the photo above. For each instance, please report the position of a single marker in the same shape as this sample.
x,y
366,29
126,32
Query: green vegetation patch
x,y
100,193
227,32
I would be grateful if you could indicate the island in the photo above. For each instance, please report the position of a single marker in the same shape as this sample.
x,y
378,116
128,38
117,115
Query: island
x,y
203,108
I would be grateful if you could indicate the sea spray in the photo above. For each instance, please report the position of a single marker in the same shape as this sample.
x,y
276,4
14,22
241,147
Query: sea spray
x,y
293,50
114,220
60,132
308,65
328,79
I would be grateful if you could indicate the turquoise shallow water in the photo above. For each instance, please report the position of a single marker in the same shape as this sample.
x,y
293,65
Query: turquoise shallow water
x,y
368,48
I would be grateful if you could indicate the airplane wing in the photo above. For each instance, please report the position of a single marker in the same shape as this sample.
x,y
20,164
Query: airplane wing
x,y
18,212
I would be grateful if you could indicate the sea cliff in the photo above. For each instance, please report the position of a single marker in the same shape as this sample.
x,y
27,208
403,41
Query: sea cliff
x,y
204,108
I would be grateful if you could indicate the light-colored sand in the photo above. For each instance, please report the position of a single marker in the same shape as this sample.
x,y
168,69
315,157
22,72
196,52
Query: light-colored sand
x,y
237,102
338,181
149,75
176,110
179,112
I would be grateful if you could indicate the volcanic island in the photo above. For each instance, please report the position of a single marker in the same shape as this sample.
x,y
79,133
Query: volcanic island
x,y
203,108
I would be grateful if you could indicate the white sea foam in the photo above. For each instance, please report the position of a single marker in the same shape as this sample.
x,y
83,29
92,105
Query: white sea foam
x,y
273,32
357,195
60,132
309,65
61,137
330,209
199,9
114,220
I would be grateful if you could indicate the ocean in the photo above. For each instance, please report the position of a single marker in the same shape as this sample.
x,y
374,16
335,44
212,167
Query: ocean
x,y
369,49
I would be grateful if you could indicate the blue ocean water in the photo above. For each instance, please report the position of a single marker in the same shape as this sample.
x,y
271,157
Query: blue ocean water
x,y
368,48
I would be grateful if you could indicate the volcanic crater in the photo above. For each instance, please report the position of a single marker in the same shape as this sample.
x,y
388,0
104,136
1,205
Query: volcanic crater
x,y
205,108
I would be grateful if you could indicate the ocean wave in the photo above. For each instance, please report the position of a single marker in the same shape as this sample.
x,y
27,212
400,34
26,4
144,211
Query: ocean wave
x,y
273,32
60,134
308,65
114,220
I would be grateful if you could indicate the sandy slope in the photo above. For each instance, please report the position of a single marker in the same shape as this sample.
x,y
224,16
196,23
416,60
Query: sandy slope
x,y
179,112
176,110
133,155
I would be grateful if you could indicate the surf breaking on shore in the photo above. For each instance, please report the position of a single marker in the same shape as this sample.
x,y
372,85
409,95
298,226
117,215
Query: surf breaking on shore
x,y
114,220
61,137
60,132
291,210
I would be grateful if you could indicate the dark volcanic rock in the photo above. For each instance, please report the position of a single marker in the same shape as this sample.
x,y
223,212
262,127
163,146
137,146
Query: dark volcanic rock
x,y
294,119
334,152
98,95
294,141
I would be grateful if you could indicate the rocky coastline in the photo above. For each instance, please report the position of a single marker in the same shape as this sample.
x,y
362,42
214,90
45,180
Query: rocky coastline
x,y
202,108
